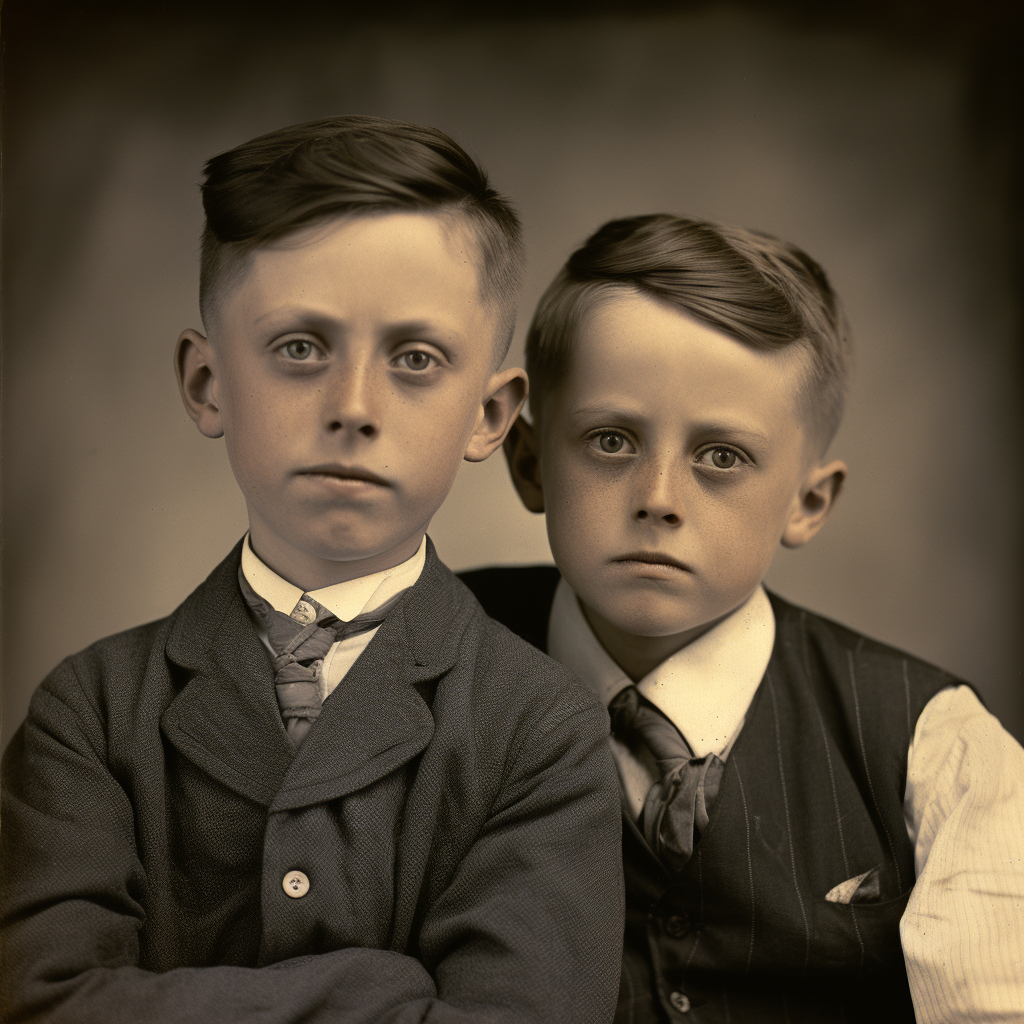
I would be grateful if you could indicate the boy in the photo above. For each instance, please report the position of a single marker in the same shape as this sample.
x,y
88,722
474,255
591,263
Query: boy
x,y
327,787
784,779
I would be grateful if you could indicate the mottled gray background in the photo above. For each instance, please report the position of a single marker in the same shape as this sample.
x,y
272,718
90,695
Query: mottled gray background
x,y
880,139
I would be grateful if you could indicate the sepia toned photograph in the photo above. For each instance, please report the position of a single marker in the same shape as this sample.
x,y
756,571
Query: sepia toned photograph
x,y
512,513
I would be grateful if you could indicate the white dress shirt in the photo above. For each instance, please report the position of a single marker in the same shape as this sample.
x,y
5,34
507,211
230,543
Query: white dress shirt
x,y
963,929
346,600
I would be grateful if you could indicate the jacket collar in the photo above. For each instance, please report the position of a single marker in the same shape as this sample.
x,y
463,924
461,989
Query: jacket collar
x,y
225,719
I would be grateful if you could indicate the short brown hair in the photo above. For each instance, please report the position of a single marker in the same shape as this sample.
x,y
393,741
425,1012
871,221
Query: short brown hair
x,y
762,291
353,164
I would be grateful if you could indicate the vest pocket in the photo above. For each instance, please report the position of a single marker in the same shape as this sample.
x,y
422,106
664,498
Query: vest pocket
x,y
861,934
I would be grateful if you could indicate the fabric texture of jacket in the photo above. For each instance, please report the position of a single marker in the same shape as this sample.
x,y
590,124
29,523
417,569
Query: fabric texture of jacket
x,y
812,797
455,810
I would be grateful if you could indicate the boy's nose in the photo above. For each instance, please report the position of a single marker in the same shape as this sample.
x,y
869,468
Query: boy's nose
x,y
656,514
351,407
660,501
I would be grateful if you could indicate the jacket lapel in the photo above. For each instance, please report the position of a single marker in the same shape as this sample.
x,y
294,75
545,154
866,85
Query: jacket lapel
x,y
225,719
376,720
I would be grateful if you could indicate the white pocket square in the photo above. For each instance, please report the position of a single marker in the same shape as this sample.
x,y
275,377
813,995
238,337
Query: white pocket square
x,y
862,888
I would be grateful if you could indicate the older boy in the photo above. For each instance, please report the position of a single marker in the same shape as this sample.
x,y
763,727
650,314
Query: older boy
x,y
404,813
785,780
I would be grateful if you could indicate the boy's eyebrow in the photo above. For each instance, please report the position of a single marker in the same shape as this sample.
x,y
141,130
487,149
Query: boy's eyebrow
x,y
315,318
290,314
733,431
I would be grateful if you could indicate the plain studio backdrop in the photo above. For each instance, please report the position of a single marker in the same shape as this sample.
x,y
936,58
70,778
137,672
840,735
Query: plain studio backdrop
x,y
882,145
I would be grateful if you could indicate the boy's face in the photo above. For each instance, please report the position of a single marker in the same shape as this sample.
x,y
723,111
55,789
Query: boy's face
x,y
670,463
350,369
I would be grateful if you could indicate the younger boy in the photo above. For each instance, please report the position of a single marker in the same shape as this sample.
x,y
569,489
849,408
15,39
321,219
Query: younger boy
x,y
785,780
327,787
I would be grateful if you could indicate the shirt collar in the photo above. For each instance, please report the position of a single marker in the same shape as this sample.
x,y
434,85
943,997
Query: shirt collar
x,y
732,656
346,600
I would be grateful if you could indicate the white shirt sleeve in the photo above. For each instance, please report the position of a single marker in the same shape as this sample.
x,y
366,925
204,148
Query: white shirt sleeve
x,y
963,929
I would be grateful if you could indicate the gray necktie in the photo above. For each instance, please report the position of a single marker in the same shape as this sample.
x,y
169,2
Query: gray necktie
x,y
300,642
676,807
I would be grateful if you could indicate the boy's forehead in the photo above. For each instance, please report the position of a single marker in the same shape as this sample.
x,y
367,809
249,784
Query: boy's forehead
x,y
412,242
650,359
410,265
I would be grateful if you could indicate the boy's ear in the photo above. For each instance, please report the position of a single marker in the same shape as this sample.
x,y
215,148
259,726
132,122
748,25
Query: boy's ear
x,y
194,366
506,392
522,455
814,502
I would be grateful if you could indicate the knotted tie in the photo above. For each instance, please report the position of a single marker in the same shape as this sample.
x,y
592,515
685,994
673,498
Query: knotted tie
x,y
301,642
676,807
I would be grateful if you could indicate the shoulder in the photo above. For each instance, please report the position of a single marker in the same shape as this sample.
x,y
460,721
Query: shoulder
x,y
121,652
794,622
511,684
115,662
78,699
849,662
108,676
504,654
518,596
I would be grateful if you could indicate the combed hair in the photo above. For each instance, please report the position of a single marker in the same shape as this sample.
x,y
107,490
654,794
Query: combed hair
x,y
354,164
755,288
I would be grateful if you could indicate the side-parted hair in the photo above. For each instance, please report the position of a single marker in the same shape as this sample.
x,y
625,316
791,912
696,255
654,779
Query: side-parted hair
x,y
354,164
762,291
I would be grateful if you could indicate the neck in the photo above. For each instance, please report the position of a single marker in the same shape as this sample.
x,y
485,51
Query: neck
x,y
638,655
309,572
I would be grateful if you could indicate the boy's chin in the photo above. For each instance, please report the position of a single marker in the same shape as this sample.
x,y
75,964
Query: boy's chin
x,y
650,617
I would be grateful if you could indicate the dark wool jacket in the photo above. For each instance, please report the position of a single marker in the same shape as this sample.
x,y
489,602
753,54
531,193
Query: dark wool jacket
x,y
812,796
455,809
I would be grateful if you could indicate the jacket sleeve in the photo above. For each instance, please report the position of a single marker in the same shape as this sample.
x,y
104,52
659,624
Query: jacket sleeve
x,y
73,907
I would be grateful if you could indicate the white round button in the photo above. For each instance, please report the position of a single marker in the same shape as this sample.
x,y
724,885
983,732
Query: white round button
x,y
680,1001
295,884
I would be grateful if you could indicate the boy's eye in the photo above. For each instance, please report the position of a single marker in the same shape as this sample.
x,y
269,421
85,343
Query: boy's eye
x,y
611,443
299,349
720,458
416,360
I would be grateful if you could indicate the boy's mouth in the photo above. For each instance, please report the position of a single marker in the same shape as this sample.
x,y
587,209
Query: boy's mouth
x,y
340,472
651,560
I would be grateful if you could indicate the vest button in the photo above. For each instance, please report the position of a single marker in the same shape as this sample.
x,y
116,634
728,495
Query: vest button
x,y
295,884
680,1002
676,925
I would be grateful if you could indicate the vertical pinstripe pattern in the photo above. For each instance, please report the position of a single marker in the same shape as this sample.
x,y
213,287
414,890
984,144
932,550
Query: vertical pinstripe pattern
x,y
804,641
700,877
789,826
832,779
842,838
962,931
750,863
696,941
867,772
689,959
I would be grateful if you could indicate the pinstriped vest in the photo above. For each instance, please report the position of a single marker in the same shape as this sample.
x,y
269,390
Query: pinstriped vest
x,y
812,796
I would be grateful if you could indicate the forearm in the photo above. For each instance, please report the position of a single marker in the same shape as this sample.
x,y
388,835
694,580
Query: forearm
x,y
343,987
534,915
963,930
525,927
